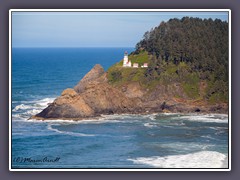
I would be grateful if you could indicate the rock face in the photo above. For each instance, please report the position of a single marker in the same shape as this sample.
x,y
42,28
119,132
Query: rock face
x,y
92,75
68,105
94,96
91,97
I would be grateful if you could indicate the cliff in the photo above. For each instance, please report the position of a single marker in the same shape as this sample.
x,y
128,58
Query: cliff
x,y
91,97
95,95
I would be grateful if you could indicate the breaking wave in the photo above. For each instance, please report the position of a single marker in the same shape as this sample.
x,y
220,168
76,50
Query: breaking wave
x,y
205,118
29,108
38,104
150,125
202,159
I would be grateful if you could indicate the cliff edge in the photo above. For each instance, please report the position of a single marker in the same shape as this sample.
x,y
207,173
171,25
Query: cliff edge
x,y
94,96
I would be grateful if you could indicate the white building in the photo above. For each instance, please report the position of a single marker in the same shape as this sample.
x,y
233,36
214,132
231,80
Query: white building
x,y
126,62
145,65
135,65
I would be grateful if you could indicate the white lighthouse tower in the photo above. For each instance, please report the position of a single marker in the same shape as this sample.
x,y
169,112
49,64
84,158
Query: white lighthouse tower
x,y
126,63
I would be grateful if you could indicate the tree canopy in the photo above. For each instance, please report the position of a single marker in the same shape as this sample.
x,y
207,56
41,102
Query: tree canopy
x,y
201,44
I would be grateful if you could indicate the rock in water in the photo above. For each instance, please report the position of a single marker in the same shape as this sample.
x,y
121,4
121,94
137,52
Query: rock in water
x,y
91,97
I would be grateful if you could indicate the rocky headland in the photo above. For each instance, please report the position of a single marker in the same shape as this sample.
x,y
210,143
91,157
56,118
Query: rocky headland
x,y
94,95
180,66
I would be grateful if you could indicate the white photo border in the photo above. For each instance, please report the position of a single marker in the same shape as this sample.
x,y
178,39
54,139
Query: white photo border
x,y
117,169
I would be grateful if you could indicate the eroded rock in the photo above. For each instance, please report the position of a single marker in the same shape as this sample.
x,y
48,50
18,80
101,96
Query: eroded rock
x,y
96,72
94,96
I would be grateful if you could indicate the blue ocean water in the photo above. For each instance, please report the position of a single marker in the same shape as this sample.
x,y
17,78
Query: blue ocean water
x,y
118,141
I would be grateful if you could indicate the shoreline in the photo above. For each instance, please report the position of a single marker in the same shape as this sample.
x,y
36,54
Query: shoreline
x,y
99,117
94,96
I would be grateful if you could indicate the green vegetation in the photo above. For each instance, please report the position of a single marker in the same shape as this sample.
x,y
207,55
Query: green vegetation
x,y
191,85
186,51
119,75
216,94
140,58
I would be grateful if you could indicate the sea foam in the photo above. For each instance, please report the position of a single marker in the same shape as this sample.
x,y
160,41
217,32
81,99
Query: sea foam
x,y
205,118
202,159
37,104
30,108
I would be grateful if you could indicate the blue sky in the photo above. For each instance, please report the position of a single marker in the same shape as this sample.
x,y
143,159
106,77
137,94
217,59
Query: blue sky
x,y
90,29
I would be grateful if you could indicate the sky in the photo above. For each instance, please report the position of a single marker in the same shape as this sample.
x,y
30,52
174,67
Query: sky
x,y
91,29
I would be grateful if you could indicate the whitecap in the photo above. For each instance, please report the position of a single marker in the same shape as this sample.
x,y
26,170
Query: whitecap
x,y
32,112
21,107
49,127
202,159
150,116
150,125
169,114
205,118
44,102
30,108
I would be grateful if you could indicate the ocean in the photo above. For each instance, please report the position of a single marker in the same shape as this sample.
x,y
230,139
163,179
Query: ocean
x,y
167,140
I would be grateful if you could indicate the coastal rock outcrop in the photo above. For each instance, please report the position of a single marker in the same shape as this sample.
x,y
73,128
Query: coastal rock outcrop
x,y
91,97
68,105
94,96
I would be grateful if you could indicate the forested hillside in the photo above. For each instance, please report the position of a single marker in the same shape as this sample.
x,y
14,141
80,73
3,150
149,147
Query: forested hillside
x,y
189,51
193,45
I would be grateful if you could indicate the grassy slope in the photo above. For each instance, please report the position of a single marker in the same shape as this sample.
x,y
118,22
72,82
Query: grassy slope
x,y
171,73
117,74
